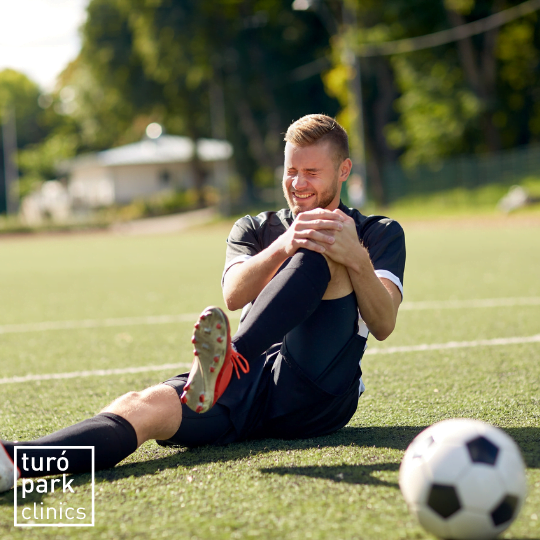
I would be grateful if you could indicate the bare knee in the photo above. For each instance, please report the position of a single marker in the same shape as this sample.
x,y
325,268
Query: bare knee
x,y
154,413
340,283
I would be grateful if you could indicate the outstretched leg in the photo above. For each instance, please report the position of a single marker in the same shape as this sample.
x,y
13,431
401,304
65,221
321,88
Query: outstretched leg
x,y
115,432
156,413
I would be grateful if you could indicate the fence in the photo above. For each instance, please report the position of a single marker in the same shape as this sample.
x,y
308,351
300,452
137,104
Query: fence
x,y
467,171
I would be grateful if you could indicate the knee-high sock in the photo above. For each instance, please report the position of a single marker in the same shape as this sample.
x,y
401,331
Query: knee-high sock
x,y
289,299
113,437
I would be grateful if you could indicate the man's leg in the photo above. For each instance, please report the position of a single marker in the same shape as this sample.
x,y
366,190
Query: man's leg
x,y
156,413
288,300
115,432
290,297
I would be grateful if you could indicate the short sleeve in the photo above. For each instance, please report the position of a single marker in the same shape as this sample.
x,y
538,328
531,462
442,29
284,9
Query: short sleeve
x,y
242,242
385,241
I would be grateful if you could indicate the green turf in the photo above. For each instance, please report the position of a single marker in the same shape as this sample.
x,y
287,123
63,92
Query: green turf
x,y
341,486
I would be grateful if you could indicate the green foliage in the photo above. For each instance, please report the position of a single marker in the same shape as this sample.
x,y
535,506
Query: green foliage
x,y
468,96
39,162
435,109
164,61
19,93
161,204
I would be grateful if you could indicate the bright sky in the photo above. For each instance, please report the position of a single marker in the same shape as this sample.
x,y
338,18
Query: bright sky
x,y
40,37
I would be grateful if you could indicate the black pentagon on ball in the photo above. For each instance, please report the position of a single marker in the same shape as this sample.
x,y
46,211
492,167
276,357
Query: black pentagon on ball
x,y
482,451
505,510
443,500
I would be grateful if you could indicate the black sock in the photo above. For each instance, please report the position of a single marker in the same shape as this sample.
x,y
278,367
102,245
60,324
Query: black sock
x,y
112,436
289,299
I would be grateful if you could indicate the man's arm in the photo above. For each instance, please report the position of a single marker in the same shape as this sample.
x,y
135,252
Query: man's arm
x,y
378,298
244,281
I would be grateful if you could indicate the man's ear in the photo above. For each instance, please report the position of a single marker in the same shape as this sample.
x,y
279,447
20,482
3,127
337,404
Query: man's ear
x,y
345,169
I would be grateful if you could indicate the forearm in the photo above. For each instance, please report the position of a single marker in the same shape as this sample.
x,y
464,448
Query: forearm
x,y
375,302
244,281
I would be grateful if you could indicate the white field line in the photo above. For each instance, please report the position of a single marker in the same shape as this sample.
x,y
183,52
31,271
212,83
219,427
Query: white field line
x,y
100,323
464,304
456,345
176,367
190,317
94,373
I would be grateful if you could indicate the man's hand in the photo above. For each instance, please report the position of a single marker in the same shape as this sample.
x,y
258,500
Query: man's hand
x,y
314,230
344,247
378,299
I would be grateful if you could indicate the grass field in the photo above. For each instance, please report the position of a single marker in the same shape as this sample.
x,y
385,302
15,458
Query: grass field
x,y
341,486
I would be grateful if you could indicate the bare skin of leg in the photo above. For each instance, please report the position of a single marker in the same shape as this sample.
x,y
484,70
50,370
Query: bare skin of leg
x,y
340,284
156,413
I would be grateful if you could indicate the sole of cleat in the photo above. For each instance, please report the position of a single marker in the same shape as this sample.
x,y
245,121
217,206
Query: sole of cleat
x,y
211,332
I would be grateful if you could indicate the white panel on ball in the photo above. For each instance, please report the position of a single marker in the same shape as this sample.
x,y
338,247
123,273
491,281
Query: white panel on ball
x,y
469,525
447,462
512,470
481,488
430,521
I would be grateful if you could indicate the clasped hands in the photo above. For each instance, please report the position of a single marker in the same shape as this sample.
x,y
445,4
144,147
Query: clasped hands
x,y
332,233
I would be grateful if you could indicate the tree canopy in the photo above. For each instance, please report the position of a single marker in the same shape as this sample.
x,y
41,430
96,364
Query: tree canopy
x,y
244,69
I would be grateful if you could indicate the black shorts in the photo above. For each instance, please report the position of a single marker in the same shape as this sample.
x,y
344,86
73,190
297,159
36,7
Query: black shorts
x,y
276,399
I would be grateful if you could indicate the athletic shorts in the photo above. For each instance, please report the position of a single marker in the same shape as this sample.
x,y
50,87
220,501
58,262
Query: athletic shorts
x,y
276,399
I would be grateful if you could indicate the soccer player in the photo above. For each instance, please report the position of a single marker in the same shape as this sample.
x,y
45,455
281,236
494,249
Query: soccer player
x,y
313,281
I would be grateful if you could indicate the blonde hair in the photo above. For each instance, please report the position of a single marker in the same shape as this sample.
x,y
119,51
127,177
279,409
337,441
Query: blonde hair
x,y
318,128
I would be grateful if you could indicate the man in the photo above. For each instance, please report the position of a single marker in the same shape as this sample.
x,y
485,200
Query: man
x,y
292,370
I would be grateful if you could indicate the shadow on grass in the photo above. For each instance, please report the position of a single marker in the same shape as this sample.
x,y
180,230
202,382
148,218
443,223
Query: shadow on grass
x,y
350,474
395,437
7,498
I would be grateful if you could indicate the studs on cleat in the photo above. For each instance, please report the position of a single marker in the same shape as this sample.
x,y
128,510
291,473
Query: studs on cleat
x,y
199,408
218,326
195,352
193,339
201,398
196,325
219,339
216,359
186,387
212,369
183,399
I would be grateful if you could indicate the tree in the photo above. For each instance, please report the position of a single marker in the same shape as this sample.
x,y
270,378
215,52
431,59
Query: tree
x,y
164,59
20,94
473,95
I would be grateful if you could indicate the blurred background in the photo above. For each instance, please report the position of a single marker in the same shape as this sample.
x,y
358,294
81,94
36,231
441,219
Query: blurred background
x,y
116,110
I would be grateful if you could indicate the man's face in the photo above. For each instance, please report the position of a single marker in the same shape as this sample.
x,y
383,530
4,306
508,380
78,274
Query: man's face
x,y
310,177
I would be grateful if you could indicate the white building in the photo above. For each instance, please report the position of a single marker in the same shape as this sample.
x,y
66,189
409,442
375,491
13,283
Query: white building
x,y
141,169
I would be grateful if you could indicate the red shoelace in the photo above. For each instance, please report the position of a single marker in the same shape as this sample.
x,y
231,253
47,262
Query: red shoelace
x,y
238,361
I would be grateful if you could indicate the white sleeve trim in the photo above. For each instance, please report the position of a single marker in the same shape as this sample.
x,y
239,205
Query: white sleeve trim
x,y
391,277
236,260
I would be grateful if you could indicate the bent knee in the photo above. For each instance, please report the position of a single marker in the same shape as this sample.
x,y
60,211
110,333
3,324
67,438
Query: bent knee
x,y
340,283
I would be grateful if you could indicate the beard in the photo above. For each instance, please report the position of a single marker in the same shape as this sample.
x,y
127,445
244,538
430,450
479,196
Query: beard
x,y
322,200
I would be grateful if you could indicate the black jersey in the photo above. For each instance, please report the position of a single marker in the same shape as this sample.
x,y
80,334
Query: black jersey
x,y
382,237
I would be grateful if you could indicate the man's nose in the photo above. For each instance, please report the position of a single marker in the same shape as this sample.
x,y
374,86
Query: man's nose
x,y
299,181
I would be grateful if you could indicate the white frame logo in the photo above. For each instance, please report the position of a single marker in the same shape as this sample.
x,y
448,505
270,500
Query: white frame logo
x,y
63,485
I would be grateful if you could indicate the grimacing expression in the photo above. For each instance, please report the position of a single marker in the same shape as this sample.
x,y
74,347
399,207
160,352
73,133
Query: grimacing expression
x,y
310,177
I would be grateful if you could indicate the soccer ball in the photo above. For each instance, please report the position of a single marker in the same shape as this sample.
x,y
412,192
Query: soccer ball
x,y
463,479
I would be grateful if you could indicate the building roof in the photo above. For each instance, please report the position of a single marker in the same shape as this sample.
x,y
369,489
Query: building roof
x,y
164,149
